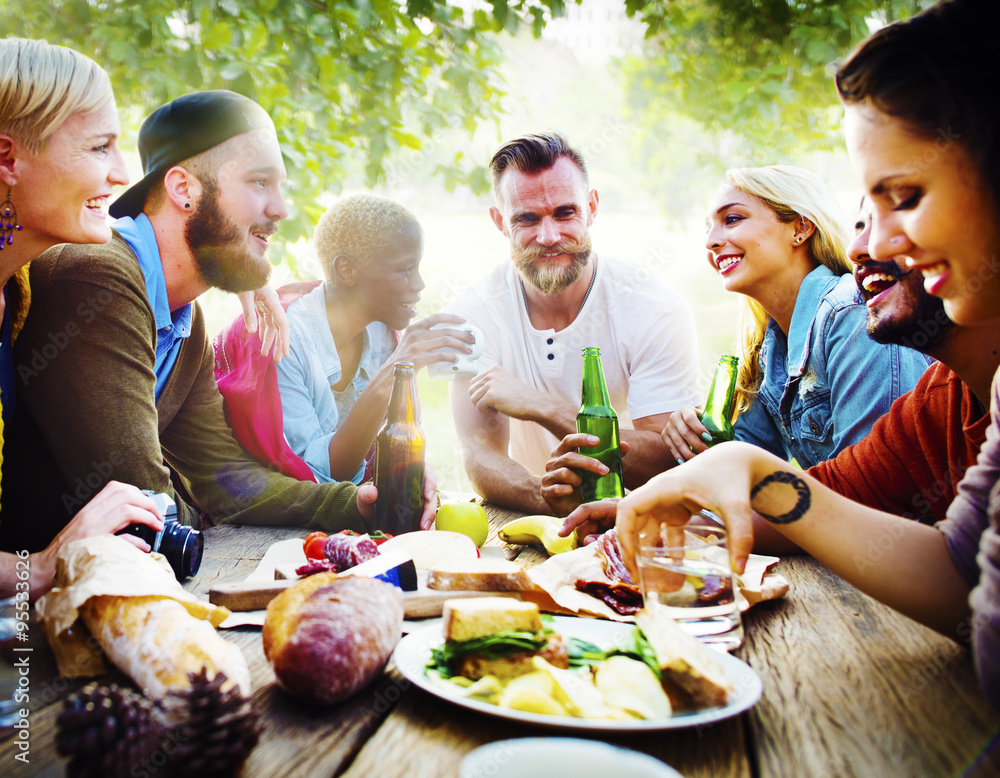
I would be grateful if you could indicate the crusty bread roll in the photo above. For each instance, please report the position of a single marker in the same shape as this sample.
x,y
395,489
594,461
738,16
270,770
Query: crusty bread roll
x,y
327,637
478,575
158,643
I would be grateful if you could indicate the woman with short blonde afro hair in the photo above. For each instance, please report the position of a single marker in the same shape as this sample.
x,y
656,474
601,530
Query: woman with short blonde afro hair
x,y
359,227
347,333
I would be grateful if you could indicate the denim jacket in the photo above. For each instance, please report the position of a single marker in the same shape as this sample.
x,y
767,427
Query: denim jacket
x,y
826,383
312,411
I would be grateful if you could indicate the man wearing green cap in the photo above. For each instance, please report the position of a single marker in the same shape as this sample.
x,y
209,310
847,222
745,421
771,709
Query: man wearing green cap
x,y
115,365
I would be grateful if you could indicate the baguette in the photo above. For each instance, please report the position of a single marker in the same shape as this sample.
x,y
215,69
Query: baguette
x,y
158,643
478,575
142,618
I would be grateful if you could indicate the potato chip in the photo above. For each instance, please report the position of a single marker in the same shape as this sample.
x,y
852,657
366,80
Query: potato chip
x,y
575,691
532,693
630,685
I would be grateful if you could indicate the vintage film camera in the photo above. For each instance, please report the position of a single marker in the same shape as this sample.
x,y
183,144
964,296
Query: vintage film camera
x,y
180,544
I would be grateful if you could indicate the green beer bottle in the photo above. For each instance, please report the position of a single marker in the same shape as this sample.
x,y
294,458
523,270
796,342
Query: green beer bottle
x,y
399,458
718,415
597,417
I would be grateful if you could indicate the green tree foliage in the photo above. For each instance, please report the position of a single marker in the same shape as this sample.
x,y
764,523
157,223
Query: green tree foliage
x,y
744,81
347,82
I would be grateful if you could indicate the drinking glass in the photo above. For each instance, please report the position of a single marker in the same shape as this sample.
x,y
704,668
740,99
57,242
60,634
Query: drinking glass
x,y
684,572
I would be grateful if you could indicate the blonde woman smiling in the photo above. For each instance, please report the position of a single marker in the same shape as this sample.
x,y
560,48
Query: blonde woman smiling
x,y
811,381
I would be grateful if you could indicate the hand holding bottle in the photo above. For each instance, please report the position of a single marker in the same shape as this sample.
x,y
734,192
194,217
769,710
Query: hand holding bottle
x,y
688,433
562,480
685,435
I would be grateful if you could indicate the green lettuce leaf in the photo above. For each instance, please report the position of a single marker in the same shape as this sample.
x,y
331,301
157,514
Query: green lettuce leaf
x,y
445,659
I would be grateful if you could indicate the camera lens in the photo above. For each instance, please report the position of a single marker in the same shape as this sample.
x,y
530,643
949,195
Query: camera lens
x,y
182,546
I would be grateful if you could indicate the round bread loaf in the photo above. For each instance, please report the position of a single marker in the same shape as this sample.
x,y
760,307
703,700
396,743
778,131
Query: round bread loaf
x,y
328,637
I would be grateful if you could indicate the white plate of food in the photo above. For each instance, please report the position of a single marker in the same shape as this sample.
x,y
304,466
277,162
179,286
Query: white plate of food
x,y
414,652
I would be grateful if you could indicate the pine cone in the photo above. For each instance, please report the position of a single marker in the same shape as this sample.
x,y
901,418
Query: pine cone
x,y
106,731
219,726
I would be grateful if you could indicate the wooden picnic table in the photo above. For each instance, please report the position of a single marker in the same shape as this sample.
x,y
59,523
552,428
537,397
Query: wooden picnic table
x,y
851,688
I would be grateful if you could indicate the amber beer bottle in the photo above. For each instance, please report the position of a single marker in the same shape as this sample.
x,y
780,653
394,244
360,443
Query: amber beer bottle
x,y
718,415
399,458
597,417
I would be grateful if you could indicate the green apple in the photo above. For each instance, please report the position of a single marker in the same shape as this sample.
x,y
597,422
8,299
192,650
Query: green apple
x,y
467,518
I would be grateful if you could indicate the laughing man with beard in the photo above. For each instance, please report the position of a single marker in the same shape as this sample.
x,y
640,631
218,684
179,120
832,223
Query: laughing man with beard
x,y
114,365
915,455
540,310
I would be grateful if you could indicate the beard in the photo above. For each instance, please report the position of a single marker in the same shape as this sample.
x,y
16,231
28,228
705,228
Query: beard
x,y
220,249
926,329
924,326
548,278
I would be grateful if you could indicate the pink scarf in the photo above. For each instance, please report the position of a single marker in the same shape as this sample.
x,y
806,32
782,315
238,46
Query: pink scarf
x,y
249,385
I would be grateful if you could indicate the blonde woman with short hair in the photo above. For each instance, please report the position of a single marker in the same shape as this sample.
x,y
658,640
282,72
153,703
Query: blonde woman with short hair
x,y
59,160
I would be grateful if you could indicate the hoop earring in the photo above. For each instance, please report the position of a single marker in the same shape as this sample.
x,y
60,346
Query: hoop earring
x,y
8,221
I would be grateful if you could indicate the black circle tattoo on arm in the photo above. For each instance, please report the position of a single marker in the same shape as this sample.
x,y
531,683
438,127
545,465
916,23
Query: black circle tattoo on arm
x,y
801,490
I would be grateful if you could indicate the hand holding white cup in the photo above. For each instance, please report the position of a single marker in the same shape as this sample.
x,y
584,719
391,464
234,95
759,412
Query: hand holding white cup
x,y
466,365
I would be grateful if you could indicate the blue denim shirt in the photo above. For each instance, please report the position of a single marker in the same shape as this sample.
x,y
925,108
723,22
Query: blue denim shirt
x,y
312,412
825,385
172,327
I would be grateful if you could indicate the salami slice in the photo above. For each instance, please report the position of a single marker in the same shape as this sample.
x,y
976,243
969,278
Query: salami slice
x,y
611,558
346,551
621,598
314,566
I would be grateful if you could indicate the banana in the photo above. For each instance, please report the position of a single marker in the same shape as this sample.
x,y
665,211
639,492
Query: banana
x,y
535,530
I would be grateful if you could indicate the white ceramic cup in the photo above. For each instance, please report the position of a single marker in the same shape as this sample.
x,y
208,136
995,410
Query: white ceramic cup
x,y
467,365
544,757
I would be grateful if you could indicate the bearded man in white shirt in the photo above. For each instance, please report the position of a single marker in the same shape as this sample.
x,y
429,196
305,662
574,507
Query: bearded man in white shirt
x,y
540,310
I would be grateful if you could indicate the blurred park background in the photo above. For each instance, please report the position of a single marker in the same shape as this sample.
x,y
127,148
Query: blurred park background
x,y
409,98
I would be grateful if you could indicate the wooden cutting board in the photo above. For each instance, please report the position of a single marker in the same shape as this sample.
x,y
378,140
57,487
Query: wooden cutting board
x,y
255,595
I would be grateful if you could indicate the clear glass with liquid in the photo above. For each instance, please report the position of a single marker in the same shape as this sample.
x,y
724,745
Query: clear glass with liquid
x,y
685,573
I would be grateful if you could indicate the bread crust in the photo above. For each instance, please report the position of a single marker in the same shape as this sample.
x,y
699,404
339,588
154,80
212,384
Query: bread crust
x,y
478,575
685,661
482,616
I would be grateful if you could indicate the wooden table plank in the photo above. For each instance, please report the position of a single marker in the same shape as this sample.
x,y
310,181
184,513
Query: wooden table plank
x,y
852,688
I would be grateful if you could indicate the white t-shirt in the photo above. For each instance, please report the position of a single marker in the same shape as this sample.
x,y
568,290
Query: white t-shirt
x,y
644,328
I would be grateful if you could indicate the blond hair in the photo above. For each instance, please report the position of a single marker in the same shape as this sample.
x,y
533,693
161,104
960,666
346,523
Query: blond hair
x,y
42,85
791,193
359,227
